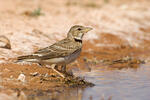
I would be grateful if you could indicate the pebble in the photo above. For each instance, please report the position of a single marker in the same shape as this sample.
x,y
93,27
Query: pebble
x,y
22,77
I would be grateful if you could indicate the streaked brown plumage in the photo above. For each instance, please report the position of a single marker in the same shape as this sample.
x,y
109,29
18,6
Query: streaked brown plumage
x,y
60,53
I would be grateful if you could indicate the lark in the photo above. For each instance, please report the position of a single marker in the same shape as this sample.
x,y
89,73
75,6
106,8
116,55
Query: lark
x,y
60,53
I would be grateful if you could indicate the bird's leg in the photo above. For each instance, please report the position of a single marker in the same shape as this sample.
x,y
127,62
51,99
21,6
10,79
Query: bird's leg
x,y
55,68
63,68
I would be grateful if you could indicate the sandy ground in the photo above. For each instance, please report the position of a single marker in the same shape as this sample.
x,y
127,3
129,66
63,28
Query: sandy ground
x,y
119,39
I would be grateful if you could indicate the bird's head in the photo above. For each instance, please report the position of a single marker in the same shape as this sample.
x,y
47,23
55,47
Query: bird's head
x,y
77,31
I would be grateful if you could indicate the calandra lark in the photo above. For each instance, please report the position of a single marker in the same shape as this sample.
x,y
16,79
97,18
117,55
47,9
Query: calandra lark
x,y
60,53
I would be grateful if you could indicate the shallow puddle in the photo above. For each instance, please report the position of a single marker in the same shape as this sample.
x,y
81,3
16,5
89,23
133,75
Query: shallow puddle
x,y
125,84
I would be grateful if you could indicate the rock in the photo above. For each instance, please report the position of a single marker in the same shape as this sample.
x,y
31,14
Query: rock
x,y
5,42
34,74
21,77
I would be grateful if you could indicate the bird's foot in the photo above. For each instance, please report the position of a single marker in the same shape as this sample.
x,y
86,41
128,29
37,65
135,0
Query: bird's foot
x,y
67,74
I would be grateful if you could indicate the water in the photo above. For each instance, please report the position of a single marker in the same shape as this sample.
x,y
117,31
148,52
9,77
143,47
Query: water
x,y
129,84
126,84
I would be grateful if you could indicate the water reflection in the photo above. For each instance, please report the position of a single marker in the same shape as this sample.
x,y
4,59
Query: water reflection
x,y
126,84
67,94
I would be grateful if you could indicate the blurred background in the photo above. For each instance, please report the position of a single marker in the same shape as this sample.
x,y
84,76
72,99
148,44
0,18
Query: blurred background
x,y
33,24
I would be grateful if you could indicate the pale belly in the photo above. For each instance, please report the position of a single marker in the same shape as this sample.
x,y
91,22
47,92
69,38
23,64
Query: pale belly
x,y
63,60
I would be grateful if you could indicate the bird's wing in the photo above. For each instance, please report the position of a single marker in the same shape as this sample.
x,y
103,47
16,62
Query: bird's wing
x,y
60,49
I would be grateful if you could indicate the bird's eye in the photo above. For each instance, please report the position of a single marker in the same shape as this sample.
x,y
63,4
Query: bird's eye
x,y
79,29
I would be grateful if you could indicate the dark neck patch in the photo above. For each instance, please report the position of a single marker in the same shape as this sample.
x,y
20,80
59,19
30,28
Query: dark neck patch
x,y
77,40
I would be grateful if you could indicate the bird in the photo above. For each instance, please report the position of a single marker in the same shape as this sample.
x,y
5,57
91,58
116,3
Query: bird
x,y
60,53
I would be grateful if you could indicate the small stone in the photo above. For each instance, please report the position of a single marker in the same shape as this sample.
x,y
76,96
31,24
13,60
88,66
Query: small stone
x,y
46,75
11,76
34,74
21,77
4,42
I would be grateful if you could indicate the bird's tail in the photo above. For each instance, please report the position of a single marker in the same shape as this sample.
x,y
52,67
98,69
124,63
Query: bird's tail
x,y
28,58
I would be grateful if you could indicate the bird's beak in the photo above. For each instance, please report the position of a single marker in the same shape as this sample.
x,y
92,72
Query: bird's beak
x,y
87,29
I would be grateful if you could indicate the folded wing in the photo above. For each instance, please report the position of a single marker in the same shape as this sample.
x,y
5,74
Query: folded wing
x,y
60,49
